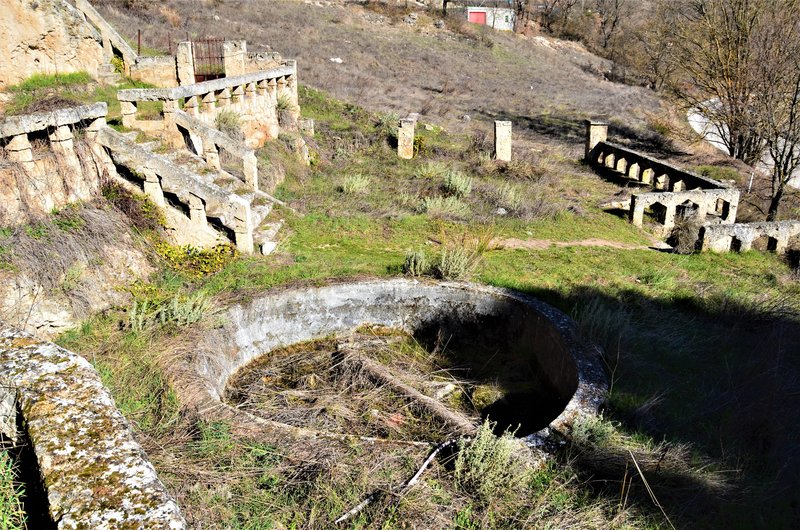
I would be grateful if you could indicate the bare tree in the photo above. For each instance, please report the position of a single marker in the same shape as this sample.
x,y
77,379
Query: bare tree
x,y
554,11
740,61
610,14
777,71
714,48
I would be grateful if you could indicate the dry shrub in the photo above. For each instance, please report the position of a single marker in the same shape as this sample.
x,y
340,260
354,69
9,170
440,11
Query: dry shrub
x,y
685,234
171,16
143,214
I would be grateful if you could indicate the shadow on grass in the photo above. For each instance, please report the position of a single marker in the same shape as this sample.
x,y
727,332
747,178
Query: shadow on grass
x,y
716,380
571,129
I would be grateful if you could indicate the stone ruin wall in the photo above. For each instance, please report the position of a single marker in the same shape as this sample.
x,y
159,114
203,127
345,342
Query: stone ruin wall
x,y
675,191
47,161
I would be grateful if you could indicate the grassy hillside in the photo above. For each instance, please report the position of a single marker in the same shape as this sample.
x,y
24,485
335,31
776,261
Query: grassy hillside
x,y
701,349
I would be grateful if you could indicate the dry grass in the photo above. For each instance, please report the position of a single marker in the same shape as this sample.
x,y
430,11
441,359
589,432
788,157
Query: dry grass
x,y
390,66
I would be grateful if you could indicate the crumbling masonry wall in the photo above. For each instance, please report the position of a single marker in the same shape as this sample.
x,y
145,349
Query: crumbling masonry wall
x,y
740,237
49,161
672,189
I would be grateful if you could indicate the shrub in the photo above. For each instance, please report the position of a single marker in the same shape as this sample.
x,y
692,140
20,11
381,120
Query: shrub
x,y
12,514
387,125
685,233
592,430
430,170
355,184
177,311
444,207
416,263
454,263
284,108
507,196
142,212
457,184
488,466
229,122
193,261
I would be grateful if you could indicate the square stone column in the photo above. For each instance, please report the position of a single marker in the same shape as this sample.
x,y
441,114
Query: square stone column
x,y
224,98
128,113
211,154
596,132
192,106
171,133
94,127
502,141
185,62
250,166
233,57
405,138
636,212
634,171
197,211
152,188
61,139
209,103
19,149
243,232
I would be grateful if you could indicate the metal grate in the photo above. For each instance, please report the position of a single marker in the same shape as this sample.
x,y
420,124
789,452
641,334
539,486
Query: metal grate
x,y
208,62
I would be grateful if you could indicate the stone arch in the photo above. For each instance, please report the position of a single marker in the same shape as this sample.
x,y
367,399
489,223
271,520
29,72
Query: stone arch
x,y
657,212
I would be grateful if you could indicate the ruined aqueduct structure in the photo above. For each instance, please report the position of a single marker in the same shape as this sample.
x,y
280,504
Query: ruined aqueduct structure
x,y
674,192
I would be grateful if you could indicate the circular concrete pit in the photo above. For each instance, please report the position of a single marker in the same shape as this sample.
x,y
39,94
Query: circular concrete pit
x,y
527,350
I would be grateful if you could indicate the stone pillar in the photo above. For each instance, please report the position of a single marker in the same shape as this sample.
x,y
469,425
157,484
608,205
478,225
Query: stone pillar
x,y
272,85
610,161
197,211
211,154
94,127
234,53
243,231
128,114
677,186
622,166
224,98
647,176
250,165
210,103
634,171
172,134
307,126
502,141
152,188
237,97
596,132
291,83
636,212
251,96
661,182
192,106
263,89
405,138
19,149
669,217
185,61
61,139
781,243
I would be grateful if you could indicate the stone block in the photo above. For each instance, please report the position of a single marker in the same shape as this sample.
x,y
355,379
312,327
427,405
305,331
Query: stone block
x,y
596,132
405,139
185,63
502,141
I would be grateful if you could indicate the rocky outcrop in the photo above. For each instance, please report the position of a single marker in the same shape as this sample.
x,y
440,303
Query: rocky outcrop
x,y
94,472
45,37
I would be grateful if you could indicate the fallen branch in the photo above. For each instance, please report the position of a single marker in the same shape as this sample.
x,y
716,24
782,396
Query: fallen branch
x,y
383,376
408,485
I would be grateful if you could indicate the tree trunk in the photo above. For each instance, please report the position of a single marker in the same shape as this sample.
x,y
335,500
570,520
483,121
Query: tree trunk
x,y
774,204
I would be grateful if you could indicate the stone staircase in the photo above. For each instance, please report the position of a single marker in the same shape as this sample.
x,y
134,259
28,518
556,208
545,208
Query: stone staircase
x,y
261,204
108,75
